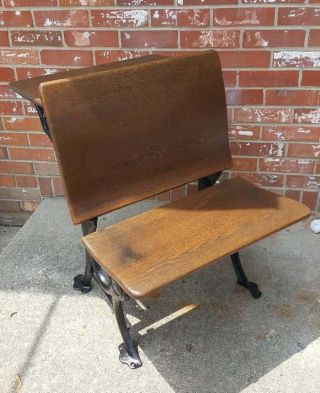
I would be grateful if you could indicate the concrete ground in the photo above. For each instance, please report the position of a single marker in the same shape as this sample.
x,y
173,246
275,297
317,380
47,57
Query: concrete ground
x,y
203,334
6,235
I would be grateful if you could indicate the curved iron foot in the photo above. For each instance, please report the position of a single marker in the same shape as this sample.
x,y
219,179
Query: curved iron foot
x,y
128,353
242,278
80,284
253,288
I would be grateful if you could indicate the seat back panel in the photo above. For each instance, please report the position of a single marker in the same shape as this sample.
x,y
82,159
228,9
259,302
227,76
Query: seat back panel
x,y
126,134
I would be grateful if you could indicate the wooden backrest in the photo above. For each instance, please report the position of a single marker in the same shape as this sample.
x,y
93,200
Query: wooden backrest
x,y
125,134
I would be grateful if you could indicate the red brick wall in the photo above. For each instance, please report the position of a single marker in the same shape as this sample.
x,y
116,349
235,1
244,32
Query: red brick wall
x,y
269,51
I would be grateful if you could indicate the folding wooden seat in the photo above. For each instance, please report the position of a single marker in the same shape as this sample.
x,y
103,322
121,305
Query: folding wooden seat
x,y
128,131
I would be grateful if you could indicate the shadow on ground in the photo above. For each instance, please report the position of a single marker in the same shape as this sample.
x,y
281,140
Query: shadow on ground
x,y
202,334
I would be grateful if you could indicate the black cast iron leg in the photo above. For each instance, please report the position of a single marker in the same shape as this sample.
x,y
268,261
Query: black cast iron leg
x,y
82,282
128,352
242,278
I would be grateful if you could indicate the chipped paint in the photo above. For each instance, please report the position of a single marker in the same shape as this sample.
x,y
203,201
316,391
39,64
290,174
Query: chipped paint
x,y
250,18
296,59
209,38
81,38
310,116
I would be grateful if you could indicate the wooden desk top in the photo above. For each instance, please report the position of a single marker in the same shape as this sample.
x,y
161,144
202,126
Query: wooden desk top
x,y
29,88
153,249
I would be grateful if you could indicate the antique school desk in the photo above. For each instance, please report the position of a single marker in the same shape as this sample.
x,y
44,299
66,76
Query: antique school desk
x,y
126,131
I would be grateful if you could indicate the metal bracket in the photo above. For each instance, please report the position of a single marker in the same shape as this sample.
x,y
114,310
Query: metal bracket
x,y
208,181
43,120
242,278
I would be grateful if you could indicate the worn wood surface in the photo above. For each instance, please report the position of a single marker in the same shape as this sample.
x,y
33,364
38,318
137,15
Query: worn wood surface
x,y
29,88
151,250
125,134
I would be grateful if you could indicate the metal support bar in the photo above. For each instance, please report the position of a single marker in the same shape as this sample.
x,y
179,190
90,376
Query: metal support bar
x,y
43,120
82,282
242,278
128,353
208,181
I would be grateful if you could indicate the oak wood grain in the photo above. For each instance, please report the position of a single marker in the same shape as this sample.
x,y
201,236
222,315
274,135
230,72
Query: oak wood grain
x,y
149,251
125,134
29,88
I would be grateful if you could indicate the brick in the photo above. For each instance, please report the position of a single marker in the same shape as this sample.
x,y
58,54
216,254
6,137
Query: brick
x,y
296,59
268,78
209,39
119,18
206,2
106,56
46,168
310,78
29,3
6,74
29,206
285,165
244,96
318,167
6,181
237,132
244,164
22,123
29,154
314,37
15,167
29,108
178,193
26,181
61,18
244,59
136,3
310,199
21,194
91,38
28,72
307,116
291,133
13,138
180,18
307,182
149,38
3,152
10,108
67,57
4,40
257,149
45,186
243,16
271,1
262,179
7,93
18,56
299,16
9,206
39,140
36,38
15,19
230,78
164,196
304,150
293,194
263,115
293,97
58,186
273,38
94,3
